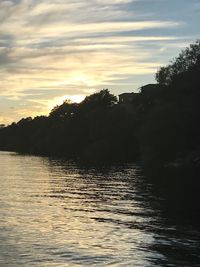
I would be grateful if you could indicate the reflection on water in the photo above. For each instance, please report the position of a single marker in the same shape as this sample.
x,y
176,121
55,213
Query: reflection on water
x,y
54,213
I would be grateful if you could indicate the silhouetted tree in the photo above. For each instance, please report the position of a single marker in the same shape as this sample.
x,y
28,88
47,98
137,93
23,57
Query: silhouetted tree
x,y
102,99
188,60
66,110
161,125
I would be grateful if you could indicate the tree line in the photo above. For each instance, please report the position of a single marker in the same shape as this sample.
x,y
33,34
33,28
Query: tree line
x,y
159,126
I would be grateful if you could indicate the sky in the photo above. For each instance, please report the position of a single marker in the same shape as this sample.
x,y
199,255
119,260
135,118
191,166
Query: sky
x,y
52,50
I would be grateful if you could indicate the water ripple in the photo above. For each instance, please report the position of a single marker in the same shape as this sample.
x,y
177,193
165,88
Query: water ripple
x,y
55,213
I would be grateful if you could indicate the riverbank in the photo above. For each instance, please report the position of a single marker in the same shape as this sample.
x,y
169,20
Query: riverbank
x,y
159,126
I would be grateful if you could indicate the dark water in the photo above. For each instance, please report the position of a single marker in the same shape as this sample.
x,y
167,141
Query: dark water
x,y
53,213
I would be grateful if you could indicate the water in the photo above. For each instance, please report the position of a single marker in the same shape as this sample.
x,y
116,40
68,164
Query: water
x,y
54,213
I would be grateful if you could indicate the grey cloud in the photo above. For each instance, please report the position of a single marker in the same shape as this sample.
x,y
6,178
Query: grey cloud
x,y
81,11
5,59
41,58
9,8
6,40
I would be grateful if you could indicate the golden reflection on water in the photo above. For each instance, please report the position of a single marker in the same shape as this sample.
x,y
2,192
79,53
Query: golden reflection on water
x,y
54,213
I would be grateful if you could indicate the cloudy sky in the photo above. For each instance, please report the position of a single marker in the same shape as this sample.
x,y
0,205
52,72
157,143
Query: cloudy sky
x,y
51,50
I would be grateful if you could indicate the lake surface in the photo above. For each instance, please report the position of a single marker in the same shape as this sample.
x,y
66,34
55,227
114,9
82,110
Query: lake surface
x,y
55,213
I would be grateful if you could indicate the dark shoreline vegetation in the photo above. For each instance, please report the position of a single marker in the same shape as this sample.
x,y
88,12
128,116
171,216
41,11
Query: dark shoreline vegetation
x,y
158,126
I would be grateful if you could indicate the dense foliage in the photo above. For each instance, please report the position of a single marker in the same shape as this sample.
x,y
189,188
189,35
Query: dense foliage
x,y
95,129
187,61
160,126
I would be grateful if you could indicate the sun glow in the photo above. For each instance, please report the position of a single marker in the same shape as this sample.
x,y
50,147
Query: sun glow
x,y
79,79
59,100
83,79
56,50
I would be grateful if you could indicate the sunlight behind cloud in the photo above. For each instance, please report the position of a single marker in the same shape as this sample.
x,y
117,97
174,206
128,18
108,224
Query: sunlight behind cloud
x,y
54,49
59,100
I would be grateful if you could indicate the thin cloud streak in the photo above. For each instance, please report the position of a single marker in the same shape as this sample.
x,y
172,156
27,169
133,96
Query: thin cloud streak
x,y
76,47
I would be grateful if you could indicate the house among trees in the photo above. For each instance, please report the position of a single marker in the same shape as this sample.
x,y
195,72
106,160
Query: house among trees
x,y
149,88
126,98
